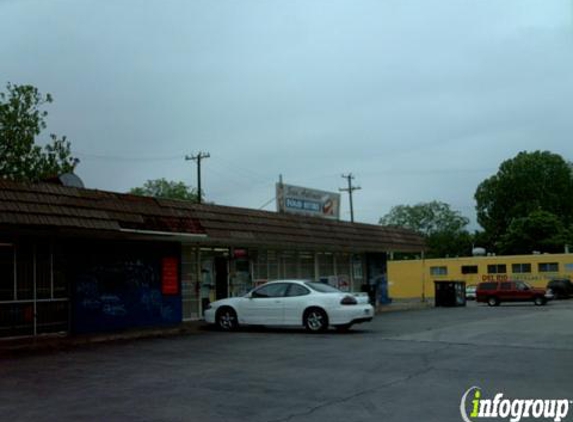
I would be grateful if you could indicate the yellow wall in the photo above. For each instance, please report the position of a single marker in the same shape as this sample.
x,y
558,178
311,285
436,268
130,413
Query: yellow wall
x,y
412,278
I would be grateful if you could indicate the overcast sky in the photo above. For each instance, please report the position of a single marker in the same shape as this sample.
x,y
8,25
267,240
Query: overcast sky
x,y
419,99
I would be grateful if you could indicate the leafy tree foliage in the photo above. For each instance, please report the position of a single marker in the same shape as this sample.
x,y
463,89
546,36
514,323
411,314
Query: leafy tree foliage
x,y
21,121
539,231
529,182
162,188
443,228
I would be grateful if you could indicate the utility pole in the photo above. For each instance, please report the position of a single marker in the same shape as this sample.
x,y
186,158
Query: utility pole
x,y
350,189
198,158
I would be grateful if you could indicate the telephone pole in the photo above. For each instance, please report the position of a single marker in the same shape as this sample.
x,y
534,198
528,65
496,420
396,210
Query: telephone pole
x,y
198,158
350,189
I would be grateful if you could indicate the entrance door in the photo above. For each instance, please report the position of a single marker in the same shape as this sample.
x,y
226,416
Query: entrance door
x,y
221,277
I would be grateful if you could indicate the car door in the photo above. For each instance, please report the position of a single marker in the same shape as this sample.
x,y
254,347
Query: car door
x,y
522,292
507,291
295,303
265,305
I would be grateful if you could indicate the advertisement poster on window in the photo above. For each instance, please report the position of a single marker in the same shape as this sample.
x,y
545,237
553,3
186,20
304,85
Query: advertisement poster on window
x,y
170,276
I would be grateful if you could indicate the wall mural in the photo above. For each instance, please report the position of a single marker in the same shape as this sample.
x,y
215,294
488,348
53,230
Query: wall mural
x,y
122,293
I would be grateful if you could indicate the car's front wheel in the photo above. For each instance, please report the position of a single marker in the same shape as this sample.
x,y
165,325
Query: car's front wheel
x,y
227,319
316,320
539,301
493,301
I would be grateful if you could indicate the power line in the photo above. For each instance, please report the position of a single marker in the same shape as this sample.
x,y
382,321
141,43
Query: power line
x,y
127,158
350,189
198,159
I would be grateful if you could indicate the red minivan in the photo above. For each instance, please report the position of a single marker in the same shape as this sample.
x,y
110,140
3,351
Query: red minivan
x,y
495,292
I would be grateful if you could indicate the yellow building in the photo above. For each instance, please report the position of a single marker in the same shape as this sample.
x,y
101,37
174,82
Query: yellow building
x,y
415,278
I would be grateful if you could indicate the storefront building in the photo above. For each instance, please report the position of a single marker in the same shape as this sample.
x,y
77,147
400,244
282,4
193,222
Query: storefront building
x,y
415,278
81,261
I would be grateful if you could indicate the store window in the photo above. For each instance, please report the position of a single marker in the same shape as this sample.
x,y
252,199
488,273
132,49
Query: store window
x,y
497,269
25,271
469,269
343,269
569,267
521,268
6,272
260,266
325,265
306,262
438,271
289,265
43,271
548,267
273,265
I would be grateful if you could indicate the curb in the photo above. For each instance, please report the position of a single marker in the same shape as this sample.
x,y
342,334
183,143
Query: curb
x,y
404,306
55,343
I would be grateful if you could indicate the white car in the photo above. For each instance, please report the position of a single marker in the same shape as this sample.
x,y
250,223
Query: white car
x,y
471,292
296,303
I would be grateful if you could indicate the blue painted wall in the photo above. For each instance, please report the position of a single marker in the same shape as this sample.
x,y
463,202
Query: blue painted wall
x,y
118,286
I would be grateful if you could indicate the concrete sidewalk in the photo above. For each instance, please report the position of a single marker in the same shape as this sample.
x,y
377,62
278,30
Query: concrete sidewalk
x,y
405,305
55,342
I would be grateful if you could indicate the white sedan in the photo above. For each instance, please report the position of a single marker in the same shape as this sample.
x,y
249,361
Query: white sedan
x,y
296,303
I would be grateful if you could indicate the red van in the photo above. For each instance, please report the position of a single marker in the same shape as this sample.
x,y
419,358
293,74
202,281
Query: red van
x,y
495,292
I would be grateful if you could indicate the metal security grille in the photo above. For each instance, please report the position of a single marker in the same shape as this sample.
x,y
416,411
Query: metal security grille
x,y
33,290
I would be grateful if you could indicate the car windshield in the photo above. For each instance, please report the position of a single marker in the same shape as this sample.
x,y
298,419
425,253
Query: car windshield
x,y
321,287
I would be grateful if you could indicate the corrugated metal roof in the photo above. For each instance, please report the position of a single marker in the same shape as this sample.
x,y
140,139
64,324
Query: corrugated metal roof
x,y
48,205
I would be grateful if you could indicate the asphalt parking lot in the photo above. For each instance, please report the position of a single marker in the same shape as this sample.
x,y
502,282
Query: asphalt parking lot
x,y
404,366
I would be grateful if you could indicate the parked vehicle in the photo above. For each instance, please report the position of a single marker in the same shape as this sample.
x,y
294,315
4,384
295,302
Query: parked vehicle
x,y
495,292
562,288
471,292
315,306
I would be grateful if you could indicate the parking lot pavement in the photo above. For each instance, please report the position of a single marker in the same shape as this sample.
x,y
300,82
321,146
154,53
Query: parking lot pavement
x,y
404,366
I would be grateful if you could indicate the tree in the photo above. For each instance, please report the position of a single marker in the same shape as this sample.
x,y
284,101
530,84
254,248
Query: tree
x,y
529,182
162,188
539,231
21,121
443,228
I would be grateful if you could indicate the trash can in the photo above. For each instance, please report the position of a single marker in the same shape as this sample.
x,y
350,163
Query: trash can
x,y
450,293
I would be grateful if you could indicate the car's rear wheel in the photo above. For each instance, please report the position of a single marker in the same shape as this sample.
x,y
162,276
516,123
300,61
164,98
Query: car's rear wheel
x,y
315,320
227,319
493,301
539,301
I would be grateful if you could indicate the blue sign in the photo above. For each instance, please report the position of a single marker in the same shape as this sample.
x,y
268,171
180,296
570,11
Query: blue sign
x,y
303,205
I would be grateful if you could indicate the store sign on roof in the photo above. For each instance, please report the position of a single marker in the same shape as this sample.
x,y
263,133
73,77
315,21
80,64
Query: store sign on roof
x,y
300,200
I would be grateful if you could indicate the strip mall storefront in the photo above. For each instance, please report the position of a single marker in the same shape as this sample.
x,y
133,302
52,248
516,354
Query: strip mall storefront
x,y
214,273
76,261
86,286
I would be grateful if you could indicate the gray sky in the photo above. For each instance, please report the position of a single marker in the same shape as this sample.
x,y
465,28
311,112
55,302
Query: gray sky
x,y
420,99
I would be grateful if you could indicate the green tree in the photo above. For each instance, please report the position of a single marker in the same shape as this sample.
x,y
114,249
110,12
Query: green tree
x,y
162,188
529,182
539,231
443,228
22,119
